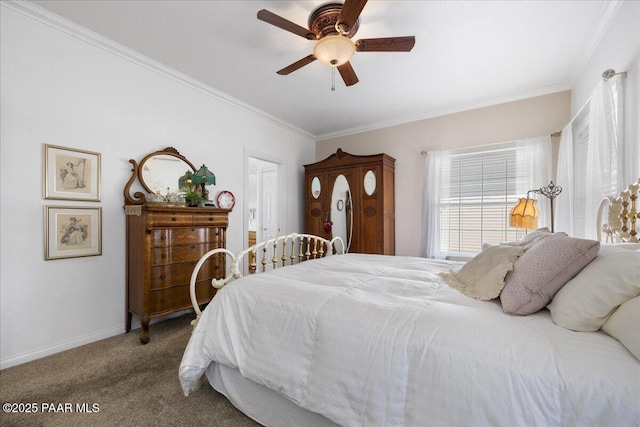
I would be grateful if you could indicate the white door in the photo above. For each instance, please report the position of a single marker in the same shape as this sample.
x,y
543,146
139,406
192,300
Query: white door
x,y
268,202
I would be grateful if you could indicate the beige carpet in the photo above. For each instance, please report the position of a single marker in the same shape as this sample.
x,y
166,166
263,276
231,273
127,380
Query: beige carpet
x,y
129,384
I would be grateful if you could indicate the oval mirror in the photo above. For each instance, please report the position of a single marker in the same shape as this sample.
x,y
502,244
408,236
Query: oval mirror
x,y
159,172
315,187
370,182
341,211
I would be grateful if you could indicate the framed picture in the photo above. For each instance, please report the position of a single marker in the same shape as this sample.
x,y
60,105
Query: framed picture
x,y
72,232
71,174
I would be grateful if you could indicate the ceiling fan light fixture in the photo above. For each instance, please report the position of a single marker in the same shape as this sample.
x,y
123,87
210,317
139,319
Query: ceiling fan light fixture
x,y
334,50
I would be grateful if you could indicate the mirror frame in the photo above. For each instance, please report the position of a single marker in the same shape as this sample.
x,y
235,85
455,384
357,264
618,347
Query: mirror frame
x,y
139,197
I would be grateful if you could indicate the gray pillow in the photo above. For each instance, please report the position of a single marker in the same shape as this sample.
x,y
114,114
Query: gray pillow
x,y
541,271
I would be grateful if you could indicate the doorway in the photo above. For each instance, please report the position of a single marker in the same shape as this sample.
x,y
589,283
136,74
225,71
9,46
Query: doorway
x,y
263,213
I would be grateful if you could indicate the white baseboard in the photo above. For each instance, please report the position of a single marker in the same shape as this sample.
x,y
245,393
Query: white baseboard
x,y
80,341
62,346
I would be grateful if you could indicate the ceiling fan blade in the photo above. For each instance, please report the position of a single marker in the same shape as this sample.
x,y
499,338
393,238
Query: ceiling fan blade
x,y
347,73
349,14
280,22
387,44
298,64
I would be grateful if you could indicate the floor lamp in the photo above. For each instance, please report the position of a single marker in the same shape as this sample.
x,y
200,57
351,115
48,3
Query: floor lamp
x,y
525,214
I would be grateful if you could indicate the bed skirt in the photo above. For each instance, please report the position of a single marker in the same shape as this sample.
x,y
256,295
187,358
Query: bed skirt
x,y
260,403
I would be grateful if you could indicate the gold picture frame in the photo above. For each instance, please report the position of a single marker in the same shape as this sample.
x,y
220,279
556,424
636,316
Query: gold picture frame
x,y
72,231
71,174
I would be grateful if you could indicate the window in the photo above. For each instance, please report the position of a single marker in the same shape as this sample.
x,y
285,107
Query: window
x,y
470,192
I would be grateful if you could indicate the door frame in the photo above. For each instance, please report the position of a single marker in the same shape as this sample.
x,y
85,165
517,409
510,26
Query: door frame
x,y
281,184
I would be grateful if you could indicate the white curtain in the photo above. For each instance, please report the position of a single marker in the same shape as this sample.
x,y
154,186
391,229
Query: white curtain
x,y
564,207
437,172
533,162
603,152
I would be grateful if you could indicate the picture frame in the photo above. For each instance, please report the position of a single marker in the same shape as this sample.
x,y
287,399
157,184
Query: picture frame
x,y
71,174
72,231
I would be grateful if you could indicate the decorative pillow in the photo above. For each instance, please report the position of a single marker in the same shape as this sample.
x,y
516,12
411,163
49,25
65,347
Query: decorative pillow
x,y
586,302
482,277
624,325
539,273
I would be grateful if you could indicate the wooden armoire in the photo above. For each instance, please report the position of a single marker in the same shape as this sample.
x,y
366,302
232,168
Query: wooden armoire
x,y
369,200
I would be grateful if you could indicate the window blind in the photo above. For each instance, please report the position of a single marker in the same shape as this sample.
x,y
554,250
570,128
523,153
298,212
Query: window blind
x,y
476,197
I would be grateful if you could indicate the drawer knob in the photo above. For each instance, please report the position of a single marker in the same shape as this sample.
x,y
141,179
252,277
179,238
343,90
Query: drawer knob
x,y
173,218
163,238
163,256
163,276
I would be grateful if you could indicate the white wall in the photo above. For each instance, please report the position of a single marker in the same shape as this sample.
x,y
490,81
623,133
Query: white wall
x,y
619,49
59,87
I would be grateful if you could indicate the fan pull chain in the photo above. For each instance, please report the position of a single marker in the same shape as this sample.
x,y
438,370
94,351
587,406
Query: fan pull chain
x,y
333,78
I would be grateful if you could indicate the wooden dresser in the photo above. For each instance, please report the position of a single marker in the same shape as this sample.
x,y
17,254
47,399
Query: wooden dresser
x,y
165,241
163,246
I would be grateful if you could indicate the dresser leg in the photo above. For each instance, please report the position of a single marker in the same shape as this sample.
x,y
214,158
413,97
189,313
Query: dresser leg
x,y
144,335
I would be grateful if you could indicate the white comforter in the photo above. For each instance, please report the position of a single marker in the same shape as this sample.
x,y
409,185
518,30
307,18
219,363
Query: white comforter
x,y
370,340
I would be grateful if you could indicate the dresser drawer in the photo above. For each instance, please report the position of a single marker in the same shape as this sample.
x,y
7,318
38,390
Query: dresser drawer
x,y
173,254
169,299
170,219
209,219
164,276
185,236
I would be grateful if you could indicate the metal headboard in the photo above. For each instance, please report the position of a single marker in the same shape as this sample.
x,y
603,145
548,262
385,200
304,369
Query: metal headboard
x,y
622,216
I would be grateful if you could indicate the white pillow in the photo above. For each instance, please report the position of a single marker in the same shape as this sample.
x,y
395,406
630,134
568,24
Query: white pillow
x,y
624,325
482,277
586,301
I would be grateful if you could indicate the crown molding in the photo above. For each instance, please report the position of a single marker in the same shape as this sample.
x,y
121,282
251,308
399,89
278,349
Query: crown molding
x,y
598,30
79,32
454,109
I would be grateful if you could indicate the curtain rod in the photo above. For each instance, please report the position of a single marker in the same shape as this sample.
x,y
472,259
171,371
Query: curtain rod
x,y
607,74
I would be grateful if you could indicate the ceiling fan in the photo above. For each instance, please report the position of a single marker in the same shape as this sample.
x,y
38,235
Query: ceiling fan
x,y
332,26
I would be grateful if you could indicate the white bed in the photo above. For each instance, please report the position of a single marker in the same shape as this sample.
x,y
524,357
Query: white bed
x,y
370,340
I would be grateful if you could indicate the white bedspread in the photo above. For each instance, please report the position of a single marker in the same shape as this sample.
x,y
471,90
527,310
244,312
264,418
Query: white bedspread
x,y
369,340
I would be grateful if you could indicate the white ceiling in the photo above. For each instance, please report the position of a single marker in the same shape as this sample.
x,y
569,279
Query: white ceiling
x,y
468,54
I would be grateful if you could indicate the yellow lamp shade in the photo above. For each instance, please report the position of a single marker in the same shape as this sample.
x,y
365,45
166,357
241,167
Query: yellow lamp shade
x,y
524,214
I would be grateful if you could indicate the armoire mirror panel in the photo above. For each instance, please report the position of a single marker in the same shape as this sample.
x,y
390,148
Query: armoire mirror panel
x,y
316,187
369,182
341,212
